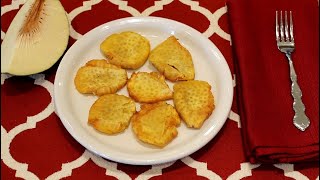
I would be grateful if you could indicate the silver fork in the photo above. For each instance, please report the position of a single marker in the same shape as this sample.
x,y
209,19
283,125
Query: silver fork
x,y
285,43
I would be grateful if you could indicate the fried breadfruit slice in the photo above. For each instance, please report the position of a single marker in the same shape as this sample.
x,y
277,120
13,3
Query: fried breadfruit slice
x,y
148,87
194,101
127,49
172,60
111,113
156,123
99,77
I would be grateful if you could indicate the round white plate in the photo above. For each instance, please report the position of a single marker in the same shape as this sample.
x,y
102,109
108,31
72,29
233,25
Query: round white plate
x,y
73,107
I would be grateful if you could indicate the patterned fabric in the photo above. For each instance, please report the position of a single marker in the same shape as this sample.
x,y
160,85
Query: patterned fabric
x,y
35,144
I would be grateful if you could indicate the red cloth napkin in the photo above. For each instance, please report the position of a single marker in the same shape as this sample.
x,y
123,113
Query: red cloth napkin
x,y
263,81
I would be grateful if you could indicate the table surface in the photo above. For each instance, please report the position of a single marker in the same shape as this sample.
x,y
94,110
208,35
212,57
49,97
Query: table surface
x,y
35,144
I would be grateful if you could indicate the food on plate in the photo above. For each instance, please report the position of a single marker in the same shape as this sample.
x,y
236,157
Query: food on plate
x,y
156,123
36,38
172,60
148,87
111,113
99,77
193,101
127,49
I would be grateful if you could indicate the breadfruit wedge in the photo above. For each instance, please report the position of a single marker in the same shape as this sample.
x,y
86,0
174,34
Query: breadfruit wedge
x,y
36,39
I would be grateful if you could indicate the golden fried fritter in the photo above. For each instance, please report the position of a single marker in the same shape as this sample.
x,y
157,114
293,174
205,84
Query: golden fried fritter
x,y
99,77
172,60
194,101
127,49
156,123
111,113
148,87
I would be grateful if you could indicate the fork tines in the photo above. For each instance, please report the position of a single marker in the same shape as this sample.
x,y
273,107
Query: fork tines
x,y
284,32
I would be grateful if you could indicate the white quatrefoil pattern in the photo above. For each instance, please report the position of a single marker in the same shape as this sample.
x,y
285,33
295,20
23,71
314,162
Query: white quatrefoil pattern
x,y
27,108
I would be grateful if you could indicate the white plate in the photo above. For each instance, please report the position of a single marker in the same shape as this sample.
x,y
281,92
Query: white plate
x,y
73,107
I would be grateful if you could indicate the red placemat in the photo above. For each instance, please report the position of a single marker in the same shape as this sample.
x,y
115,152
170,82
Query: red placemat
x,y
35,144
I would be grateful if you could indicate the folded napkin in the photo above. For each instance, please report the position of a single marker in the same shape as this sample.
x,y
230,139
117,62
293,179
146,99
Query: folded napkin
x,y
263,80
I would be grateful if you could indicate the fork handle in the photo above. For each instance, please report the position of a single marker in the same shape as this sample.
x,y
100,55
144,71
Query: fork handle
x,y
300,119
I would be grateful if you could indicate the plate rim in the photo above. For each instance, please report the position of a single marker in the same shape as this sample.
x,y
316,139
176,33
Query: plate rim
x,y
180,155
